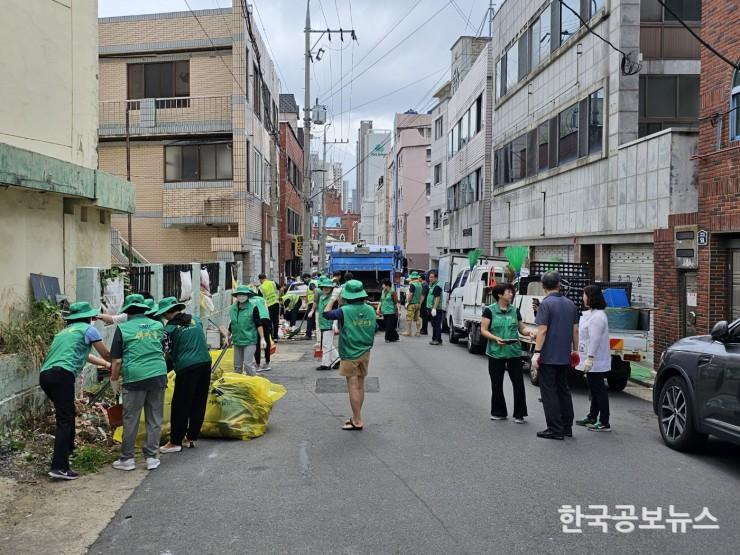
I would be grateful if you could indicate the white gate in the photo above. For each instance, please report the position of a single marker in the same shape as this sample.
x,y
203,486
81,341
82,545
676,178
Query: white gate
x,y
634,263
553,253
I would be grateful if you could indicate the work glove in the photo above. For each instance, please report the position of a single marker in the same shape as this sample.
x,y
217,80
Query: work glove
x,y
536,361
310,314
588,365
434,313
263,344
115,386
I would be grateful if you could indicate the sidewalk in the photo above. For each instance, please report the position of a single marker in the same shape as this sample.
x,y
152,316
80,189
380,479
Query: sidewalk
x,y
642,375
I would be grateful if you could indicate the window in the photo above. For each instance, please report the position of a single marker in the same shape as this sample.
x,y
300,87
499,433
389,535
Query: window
x,y
464,277
256,91
438,174
464,129
451,198
257,177
523,47
534,43
569,22
429,154
477,183
159,80
428,187
198,162
667,101
596,5
687,10
436,217
532,152
596,121
294,222
735,105
519,158
427,221
568,134
512,67
450,144
545,33
499,85
455,138
438,131
478,114
543,135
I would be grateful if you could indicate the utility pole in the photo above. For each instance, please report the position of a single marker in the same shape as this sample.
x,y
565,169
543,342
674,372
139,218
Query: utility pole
x,y
322,221
307,223
395,191
128,178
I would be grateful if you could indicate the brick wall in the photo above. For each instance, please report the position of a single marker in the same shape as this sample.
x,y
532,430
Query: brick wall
x,y
290,194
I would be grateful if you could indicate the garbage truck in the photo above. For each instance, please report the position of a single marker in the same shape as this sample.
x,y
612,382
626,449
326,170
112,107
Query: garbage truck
x,y
368,263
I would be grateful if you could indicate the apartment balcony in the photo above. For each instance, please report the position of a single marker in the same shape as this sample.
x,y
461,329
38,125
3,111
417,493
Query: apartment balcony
x,y
199,207
165,116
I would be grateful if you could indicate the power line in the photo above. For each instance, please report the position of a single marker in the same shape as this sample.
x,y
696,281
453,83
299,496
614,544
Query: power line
x,y
462,14
269,46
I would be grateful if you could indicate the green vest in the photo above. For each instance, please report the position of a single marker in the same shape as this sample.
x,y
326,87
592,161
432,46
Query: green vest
x,y
69,350
430,296
387,306
416,298
189,346
261,305
292,298
243,330
506,326
269,292
143,353
358,330
324,324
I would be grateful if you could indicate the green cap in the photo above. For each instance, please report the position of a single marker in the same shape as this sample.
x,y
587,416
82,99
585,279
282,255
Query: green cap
x,y
152,306
168,304
134,300
414,275
81,310
244,290
353,289
326,282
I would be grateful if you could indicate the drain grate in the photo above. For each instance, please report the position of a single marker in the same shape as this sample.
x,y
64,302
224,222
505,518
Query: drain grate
x,y
339,385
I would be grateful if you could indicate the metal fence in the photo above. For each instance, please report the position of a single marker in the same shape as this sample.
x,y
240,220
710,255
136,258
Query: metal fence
x,y
213,269
172,285
140,279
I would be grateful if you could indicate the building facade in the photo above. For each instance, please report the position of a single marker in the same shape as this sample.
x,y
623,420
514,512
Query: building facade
x,y
201,98
589,159
372,147
698,253
55,205
291,197
439,236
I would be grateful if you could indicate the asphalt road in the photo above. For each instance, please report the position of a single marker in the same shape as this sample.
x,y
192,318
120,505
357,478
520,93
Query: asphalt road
x,y
429,474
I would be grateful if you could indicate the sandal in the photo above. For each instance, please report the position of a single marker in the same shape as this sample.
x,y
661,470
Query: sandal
x,y
349,425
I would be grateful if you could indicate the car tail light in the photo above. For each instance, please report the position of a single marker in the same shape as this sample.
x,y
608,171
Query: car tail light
x,y
632,358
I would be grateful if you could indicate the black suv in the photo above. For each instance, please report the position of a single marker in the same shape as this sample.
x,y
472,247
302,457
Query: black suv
x,y
697,389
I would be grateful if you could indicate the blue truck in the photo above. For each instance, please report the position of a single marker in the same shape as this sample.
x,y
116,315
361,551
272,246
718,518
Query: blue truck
x,y
369,263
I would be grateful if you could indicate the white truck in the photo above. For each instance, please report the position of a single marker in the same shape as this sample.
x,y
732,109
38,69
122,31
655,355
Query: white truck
x,y
467,298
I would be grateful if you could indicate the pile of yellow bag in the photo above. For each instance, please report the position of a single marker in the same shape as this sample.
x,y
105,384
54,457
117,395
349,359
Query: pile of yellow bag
x,y
238,405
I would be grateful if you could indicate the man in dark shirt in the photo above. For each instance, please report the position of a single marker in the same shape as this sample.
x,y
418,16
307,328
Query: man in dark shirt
x,y
424,311
557,338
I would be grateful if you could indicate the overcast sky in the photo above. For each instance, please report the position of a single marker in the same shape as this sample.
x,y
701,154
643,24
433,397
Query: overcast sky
x,y
419,65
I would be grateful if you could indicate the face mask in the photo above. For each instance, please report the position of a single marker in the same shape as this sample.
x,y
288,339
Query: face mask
x,y
241,298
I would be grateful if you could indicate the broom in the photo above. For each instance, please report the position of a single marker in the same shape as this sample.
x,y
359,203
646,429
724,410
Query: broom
x,y
473,257
516,257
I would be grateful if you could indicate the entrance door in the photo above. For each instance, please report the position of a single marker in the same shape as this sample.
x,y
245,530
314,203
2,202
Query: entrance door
x,y
735,285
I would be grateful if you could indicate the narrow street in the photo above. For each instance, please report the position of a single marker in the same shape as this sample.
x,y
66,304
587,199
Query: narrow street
x,y
429,474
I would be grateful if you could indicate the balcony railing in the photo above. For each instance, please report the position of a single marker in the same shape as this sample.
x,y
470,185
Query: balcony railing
x,y
165,116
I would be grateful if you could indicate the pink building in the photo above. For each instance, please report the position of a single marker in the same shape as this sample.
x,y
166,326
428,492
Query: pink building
x,y
412,135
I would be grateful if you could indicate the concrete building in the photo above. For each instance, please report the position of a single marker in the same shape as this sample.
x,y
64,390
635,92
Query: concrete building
x,y
698,253
578,176
291,196
439,235
347,204
55,205
372,147
407,214
201,94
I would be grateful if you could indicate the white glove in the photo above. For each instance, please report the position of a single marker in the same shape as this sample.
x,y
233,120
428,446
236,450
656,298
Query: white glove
x,y
263,344
536,360
115,386
336,292
310,314
434,312
588,365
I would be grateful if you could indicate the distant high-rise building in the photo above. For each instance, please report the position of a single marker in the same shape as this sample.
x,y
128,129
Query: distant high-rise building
x,y
372,147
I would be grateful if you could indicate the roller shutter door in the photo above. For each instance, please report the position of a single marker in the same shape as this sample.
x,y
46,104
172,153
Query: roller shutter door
x,y
559,253
634,263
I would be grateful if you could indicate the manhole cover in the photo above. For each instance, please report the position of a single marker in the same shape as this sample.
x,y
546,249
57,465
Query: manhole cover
x,y
339,385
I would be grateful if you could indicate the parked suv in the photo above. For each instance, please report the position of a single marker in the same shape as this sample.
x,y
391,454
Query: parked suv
x,y
697,389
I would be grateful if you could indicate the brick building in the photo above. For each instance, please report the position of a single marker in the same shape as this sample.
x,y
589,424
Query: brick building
x,y
291,180
708,289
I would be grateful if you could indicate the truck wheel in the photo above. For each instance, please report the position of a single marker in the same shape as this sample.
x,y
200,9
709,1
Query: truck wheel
x,y
454,337
617,384
474,342
534,375
619,375
676,417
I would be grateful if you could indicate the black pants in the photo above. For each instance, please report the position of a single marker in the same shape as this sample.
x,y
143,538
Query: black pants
x,y
274,317
59,386
599,397
267,331
425,315
437,325
391,327
291,315
310,322
189,402
556,399
497,367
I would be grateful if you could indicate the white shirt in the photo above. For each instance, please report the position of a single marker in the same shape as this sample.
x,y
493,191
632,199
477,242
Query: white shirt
x,y
593,340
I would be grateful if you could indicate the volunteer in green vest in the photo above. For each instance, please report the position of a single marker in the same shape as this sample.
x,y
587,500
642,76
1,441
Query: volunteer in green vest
x,y
436,306
388,307
329,355
268,289
501,324
357,325
291,304
413,305
188,353
246,329
67,357
266,321
312,295
138,350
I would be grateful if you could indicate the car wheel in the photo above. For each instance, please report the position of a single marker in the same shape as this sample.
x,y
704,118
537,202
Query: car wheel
x,y
617,384
474,346
454,337
676,417
534,375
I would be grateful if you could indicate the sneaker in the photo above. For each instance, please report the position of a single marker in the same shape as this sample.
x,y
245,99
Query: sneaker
x,y
599,427
56,474
549,434
152,463
322,368
585,421
173,449
568,431
520,421
265,368
335,366
498,417
124,464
